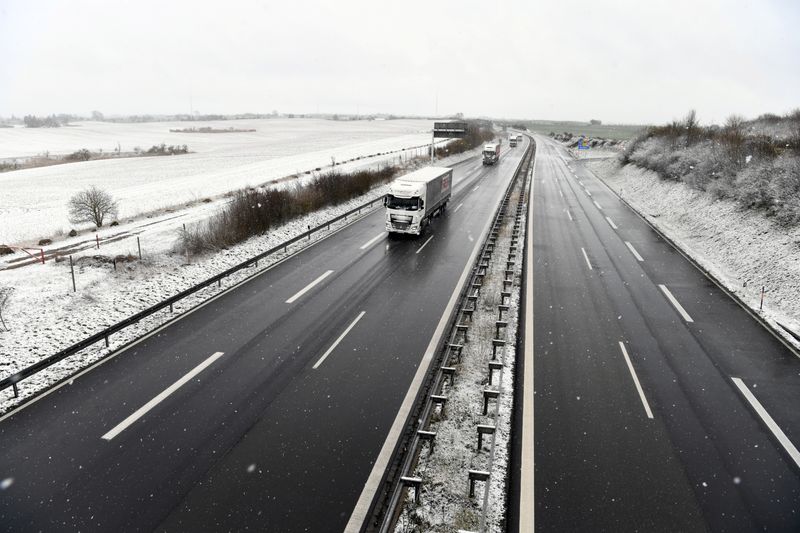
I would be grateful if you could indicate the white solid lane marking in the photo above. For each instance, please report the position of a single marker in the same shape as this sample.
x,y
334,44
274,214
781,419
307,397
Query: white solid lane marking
x,y
457,207
309,286
424,244
526,484
598,205
587,258
119,428
636,380
569,214
773,427
675,303
337,341
633,251
371,241
612,223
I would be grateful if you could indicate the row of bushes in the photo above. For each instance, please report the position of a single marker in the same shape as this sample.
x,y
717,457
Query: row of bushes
x,y
163,149
255,211
736,161
476,136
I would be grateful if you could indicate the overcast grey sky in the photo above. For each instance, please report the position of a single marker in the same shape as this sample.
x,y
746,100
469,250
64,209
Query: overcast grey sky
x,y
629,61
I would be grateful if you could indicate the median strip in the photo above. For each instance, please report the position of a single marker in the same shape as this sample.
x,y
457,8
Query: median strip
x,y
309,286
337,341
768,421
143,410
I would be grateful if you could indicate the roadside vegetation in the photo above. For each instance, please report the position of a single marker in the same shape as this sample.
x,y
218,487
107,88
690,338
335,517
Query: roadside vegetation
x,y
477,134
754,162
252,212
571,140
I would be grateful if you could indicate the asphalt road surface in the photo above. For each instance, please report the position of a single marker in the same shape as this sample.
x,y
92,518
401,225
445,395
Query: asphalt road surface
x,y
262,410
660,404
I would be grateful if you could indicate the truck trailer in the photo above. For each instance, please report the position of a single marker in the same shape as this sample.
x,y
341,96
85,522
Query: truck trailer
x,y
417,197
491,153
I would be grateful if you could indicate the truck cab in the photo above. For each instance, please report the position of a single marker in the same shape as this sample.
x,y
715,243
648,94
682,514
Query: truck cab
x,y
415,198
491,154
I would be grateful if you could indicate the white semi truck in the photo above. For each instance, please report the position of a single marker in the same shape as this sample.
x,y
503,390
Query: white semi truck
x,y
415,198
491,153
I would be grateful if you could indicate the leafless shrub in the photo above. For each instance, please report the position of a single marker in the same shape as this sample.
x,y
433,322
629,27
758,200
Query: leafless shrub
x,y
92,205
756,163
253,212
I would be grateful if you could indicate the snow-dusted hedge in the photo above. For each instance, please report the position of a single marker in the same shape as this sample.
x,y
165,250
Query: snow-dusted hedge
x,y
756,163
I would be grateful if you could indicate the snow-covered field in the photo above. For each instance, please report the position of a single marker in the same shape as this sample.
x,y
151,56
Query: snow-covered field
x,y
743,249
44,315
33,201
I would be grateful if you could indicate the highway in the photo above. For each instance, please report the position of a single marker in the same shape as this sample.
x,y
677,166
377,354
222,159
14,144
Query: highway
x,y
265,408
659,404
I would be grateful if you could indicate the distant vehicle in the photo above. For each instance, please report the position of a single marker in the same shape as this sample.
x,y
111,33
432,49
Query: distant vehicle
x,y
512,141
519,137
491,153
417,197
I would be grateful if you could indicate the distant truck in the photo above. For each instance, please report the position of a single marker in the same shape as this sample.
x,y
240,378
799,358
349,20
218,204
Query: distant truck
x,y
491,153
512,141
519,137
417,197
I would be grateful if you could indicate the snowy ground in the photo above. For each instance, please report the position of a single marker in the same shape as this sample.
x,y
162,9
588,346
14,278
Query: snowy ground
x,y
445,504
45,316
743,249
594,153
33,201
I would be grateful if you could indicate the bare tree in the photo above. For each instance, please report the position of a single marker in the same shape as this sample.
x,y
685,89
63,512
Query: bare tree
x,y
692,127
5,292
92,205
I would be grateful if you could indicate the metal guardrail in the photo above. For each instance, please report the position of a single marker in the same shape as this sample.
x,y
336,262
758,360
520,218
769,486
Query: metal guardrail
x,y
385,507
14,379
